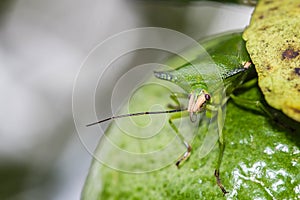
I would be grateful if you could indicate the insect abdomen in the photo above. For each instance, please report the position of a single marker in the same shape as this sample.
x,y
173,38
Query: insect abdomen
x,y
165,75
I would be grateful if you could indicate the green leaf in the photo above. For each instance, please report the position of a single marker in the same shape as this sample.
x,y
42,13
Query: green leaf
x,y
261,159
273,40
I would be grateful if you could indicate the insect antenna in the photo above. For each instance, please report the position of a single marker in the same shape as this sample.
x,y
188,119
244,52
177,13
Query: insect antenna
x,y
136,114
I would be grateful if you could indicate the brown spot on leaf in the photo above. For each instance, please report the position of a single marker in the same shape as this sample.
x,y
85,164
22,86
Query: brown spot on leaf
x,y
290,53
297,87
264,28
297,71
296,110
268,67
289,41
268,2
274,8
268,89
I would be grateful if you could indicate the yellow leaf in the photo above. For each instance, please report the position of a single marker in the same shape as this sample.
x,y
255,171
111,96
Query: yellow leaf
x,y
273,42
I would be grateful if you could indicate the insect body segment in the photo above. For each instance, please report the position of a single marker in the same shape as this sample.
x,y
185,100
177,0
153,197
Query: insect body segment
x,y
165,76
187,78
197,89
197,100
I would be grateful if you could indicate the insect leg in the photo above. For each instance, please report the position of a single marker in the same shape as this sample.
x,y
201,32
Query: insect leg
x,y
175,96
249,84
258,106
251,104
214,134
188,147
221,148
217,175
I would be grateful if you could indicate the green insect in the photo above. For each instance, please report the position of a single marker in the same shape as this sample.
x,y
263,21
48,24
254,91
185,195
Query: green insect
x,y
204,94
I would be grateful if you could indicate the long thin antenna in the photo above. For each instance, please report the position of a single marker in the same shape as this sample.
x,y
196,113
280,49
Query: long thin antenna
x,y
137,114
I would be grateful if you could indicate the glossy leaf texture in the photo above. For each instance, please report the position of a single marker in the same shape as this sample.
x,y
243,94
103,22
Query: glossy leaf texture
x,y
261,158
261,161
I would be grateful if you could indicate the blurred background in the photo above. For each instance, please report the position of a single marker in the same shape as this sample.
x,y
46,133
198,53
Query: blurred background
x,y
42,46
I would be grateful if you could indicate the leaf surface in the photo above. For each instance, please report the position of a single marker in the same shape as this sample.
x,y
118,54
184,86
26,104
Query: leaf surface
x,y
261,159
273,42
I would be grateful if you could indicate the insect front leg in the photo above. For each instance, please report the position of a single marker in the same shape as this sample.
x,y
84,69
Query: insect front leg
x,y
181,137
216,113
175,96
217,170
221,148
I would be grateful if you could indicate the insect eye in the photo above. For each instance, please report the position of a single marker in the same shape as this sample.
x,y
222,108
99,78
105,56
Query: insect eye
x,y
207,97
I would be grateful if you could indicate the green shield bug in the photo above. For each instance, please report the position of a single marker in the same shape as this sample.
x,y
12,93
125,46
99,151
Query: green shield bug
x,y
229,55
